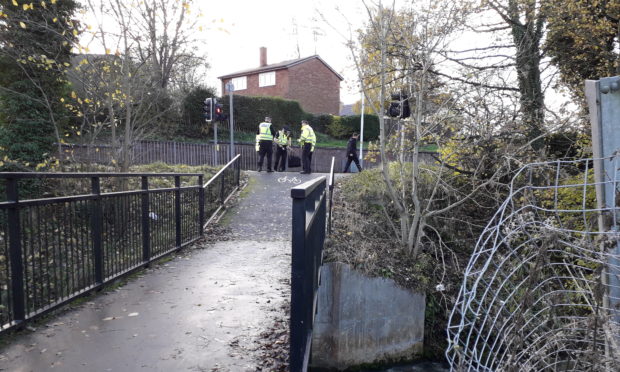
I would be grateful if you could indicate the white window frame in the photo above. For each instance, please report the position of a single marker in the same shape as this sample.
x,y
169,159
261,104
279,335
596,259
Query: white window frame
x,y
267,79
240,83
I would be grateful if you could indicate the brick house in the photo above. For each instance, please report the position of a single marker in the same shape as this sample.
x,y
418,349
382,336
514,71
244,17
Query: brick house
x,y
310,81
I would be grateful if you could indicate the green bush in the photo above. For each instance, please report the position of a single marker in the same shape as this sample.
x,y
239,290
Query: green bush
x,y
321,122
192,124
343,127
565,145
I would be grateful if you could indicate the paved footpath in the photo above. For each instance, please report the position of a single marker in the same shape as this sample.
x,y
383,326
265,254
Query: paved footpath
x,y
201,311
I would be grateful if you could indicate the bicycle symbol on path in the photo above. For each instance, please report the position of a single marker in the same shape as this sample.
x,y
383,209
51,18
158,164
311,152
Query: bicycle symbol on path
x,y
285,179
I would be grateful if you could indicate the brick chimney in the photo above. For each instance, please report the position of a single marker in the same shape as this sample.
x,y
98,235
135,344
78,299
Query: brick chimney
x,y
263,56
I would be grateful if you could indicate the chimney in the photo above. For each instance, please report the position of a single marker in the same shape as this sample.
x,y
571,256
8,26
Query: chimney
x,y
263,56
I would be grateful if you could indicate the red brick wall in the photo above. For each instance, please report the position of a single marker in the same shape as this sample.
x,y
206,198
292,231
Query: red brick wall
x,y
312,84
315,87
278,90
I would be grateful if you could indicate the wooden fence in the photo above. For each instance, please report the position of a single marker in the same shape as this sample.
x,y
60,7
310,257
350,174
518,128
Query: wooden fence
x,y
147,152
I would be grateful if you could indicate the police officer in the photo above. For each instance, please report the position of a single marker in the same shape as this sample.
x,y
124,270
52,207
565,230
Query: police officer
x,y
307,141
283,141
265,145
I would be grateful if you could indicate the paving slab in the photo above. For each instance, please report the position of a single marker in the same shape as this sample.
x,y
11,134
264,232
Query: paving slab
x,y
201,311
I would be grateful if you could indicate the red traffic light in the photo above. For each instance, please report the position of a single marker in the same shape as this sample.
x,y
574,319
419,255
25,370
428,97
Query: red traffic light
x,y
218,113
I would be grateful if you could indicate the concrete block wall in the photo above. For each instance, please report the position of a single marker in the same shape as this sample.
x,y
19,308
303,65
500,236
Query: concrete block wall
x,y
364,320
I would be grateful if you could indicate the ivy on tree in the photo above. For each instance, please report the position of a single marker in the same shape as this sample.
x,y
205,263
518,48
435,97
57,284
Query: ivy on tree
x,y
36,39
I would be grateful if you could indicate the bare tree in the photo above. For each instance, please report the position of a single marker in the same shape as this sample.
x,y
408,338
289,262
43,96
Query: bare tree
x,y
165,39
127,92
400,51
514,30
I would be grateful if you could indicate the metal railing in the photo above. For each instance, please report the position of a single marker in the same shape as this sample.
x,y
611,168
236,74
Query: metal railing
x,y
309,219
221,186
331,197
53,250
147,152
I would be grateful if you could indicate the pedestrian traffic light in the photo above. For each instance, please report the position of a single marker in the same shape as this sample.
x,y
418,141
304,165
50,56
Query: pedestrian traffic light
x,y
399,106
394,110
208,110
219,113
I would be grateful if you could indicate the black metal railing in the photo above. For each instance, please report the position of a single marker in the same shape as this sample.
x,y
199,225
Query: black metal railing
x,y
309,217
221,186
55,249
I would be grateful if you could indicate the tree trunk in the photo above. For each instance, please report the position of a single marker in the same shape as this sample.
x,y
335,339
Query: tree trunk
x,y
526,36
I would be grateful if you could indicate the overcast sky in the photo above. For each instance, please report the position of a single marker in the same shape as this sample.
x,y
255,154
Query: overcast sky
x,y
234,30
287,28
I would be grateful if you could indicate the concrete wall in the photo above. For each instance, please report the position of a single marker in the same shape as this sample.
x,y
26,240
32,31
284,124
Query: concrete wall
x,y
364,320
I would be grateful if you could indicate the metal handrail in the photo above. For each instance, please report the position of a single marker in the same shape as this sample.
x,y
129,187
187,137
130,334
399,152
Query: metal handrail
x,y
308,237
234,165
89,175
118,232
331,198
224,168
305,189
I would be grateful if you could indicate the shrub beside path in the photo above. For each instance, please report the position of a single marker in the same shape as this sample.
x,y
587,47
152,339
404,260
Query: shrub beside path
x,y
206,309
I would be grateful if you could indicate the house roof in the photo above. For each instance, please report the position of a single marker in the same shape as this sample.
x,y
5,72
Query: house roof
x,y
347,110
279,66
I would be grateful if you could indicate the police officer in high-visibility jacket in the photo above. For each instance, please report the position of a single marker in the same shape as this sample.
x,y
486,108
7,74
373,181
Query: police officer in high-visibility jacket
x,y
283,141
265,145
307,141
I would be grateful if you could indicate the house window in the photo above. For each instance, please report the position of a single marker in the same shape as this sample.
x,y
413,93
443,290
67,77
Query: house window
x,y
240,83
267,79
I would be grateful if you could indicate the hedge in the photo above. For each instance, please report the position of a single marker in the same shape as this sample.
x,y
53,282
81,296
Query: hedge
x,y
251,111
193,121
343,127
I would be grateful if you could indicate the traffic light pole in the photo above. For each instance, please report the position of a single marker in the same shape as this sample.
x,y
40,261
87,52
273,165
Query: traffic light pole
x,y
231,118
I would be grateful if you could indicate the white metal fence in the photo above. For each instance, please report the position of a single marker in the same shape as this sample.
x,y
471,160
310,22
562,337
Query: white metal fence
x,y
541,290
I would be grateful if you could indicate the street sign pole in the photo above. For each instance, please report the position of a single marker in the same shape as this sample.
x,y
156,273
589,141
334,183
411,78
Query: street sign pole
x,y
231,119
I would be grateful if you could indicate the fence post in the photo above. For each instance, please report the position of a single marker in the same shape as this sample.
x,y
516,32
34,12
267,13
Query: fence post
x,y
222,179
201,204
146,228
177,209
238,170
95,222
15,253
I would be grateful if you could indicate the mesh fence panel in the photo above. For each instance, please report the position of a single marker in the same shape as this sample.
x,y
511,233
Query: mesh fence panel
x,y
536,294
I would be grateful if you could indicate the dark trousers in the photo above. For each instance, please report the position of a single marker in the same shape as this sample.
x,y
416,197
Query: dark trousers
x,y
306,157
349,160
280,163
265,148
